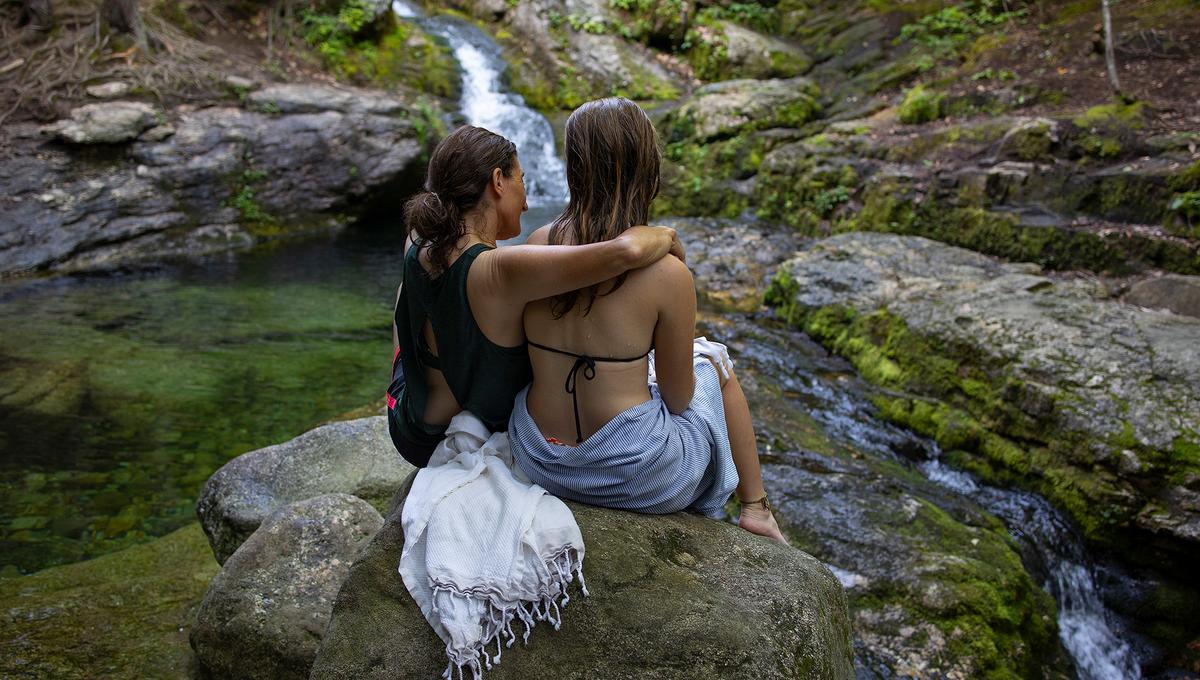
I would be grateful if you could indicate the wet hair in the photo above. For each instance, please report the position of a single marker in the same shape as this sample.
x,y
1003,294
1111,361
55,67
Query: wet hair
x,y
613,161
459,172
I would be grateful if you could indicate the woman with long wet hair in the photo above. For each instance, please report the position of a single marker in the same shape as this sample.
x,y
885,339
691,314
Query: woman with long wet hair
x,y
592,427
458,336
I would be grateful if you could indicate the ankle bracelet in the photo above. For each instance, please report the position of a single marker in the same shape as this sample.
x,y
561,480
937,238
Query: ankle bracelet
x,y
763,501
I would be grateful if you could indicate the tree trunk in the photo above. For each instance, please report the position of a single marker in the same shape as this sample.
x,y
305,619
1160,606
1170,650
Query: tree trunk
x,y
38,15
1110,53
124,16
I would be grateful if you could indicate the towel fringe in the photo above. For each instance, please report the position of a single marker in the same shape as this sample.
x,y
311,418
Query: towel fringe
x,y
562,568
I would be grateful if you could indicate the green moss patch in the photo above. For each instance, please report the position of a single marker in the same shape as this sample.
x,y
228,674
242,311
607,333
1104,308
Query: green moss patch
x,y
920,105
393,52
124,615
888,207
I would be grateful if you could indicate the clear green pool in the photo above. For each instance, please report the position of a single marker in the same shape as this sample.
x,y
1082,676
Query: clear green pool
x,y
120,394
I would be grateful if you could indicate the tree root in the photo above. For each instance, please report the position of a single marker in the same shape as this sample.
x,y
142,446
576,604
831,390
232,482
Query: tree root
x,y
46,75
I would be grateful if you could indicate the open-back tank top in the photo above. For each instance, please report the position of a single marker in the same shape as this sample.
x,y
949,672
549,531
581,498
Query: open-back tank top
x,y
483,376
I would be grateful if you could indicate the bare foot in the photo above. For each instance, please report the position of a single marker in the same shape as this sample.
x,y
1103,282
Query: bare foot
x,y
758,520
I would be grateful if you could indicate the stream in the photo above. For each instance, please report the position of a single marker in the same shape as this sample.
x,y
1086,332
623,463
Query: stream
x,y
121,393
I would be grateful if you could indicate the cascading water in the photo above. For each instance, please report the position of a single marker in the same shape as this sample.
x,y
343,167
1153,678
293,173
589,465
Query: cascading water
x,y
485,103
1085,625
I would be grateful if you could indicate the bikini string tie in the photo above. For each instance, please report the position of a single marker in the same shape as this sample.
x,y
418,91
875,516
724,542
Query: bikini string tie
x,y
588,364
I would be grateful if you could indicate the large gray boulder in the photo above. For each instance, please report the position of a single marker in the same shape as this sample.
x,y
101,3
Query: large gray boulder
x,y
1093,403
751,54
732,107
353,457
265,612
1180,294
676,596
295,159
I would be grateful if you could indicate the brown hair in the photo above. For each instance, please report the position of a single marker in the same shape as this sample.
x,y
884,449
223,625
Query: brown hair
x,y
459,172
613,162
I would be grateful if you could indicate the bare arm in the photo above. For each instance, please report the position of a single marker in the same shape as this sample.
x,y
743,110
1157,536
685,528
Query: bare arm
x,y
673,334
525,273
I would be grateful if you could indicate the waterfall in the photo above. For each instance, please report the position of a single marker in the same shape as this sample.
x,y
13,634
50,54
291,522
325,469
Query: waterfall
x,y
486,104
1086,633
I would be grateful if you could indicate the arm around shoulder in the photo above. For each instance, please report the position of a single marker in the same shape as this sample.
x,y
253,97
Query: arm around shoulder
x,y
674,332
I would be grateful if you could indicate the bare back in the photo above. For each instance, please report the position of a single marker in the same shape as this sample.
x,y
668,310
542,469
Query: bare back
x,y
622,324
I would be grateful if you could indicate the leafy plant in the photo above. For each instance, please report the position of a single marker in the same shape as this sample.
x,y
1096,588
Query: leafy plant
x,y
948,31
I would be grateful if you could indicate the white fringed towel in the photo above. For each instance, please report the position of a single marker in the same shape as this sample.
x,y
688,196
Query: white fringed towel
x,y
482,546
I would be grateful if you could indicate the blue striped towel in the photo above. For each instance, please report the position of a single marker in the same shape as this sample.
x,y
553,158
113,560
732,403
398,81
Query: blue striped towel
x,y
645,459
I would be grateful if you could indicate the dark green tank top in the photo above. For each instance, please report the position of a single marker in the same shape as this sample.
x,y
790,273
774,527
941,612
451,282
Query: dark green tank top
x,y
483,376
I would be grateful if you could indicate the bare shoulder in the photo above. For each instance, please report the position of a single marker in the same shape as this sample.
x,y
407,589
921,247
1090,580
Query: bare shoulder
x,y
540,237
667,274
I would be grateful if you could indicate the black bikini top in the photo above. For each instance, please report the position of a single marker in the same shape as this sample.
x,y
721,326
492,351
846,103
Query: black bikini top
x,y
588,364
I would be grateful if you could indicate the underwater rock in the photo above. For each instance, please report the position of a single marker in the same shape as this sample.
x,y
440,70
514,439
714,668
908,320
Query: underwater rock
x,y
672,596
354,457
265,612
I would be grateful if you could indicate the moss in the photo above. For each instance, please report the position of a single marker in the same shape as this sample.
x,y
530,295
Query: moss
x,y
1107,131
889,206
920,105
698,179
974,411
1107,114
1183,208
122,615
400,54
811,189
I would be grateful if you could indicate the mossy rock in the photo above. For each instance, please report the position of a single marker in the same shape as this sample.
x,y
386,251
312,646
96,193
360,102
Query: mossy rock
x,y
124,615
709,179
920,105
722,110
1002,396
724,50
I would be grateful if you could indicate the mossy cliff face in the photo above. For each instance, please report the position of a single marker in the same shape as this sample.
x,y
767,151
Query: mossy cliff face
x,y
716,141
1025,202
1022,380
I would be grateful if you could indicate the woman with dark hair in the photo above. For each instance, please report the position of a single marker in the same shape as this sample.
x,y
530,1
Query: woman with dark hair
x,y
458,335
607,436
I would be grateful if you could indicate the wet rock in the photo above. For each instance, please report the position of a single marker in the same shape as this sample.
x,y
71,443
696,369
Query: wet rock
x,y
265,613
313,160
1180,294
983,338
107,123
674,596
728,108
732,260
353,457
